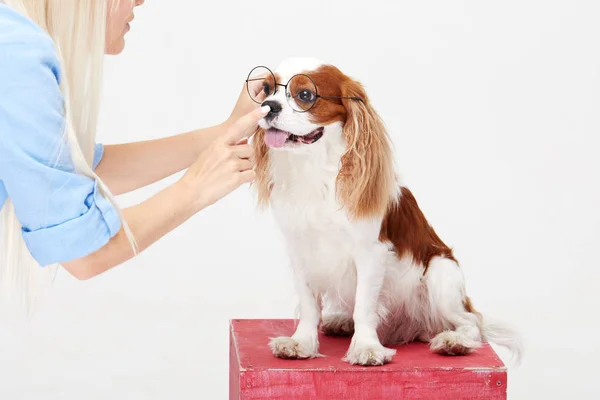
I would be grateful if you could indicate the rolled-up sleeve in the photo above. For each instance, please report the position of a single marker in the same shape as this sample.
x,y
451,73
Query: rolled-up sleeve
x,y
62,213
89,230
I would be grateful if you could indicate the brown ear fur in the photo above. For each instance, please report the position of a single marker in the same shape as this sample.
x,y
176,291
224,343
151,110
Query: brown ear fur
x,y
366,183
261,155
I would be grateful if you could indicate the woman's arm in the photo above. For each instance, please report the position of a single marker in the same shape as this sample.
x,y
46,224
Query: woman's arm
x,y
222,167
130,166
148,221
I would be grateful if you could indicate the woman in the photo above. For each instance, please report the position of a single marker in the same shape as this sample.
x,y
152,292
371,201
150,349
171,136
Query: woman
x,y
56,182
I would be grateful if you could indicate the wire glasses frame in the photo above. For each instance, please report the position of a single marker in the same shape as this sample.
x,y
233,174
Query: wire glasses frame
x,y
304,97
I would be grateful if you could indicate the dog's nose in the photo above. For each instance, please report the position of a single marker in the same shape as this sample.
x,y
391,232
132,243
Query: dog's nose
x,y
275,108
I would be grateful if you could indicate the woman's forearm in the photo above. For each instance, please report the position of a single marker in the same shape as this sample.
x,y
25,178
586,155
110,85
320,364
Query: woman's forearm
x,y
130,166
148,221
223,166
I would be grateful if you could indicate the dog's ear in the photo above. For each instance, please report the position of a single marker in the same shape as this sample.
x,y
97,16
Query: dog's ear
x,y
262,182
366,182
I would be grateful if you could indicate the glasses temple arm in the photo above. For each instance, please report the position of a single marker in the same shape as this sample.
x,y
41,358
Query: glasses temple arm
x,y
342,97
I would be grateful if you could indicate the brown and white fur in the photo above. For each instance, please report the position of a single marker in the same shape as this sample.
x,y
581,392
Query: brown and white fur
x,y
366,262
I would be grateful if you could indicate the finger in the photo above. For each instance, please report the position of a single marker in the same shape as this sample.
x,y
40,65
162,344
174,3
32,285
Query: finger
x,y
247,176
242,141
257,83
243,126
258,89
260,96
256,86
244,165
244,151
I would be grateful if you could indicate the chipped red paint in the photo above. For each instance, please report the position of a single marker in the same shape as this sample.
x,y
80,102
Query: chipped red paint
x,y
414,373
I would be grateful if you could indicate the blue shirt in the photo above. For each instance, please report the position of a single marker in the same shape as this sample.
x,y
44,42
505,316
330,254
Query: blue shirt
x,y
63,216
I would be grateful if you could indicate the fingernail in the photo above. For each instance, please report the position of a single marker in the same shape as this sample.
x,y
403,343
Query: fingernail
x,y
265,110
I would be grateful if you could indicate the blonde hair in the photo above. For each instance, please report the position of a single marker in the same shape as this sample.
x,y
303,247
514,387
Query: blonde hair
x,y
78,30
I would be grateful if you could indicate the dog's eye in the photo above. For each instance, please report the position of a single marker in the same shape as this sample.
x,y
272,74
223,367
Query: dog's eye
x,y
306,96
267,88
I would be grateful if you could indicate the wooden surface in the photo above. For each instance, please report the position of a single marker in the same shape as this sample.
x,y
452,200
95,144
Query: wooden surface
x,y
414,373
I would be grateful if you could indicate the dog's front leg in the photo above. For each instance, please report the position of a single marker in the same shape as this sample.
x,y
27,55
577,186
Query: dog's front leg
x,y
365,347
304,343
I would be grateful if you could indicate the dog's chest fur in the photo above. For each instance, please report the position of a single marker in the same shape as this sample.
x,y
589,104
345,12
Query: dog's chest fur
x,y
314,224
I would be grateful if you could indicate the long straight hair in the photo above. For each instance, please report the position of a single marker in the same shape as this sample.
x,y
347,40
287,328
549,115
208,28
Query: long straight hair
x,y
78,30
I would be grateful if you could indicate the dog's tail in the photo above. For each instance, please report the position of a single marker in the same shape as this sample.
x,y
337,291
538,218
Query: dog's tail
x,y
503,335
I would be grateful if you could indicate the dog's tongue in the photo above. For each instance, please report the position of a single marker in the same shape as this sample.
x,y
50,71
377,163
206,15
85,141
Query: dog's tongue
x,y
275,138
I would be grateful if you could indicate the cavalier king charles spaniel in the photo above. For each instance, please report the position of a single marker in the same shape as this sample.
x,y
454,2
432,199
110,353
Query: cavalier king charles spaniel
x,y
366,262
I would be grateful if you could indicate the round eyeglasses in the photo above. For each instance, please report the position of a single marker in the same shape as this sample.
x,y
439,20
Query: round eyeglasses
x,y
300,91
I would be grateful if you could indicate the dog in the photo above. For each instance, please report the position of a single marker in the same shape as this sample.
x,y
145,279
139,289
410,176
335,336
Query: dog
x,y
367,263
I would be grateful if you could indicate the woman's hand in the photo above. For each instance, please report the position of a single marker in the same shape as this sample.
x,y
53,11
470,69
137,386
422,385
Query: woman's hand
x,y
245,104
226,163
152,160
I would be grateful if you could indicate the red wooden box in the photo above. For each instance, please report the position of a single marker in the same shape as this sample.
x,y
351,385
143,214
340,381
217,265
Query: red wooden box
x,y
414,373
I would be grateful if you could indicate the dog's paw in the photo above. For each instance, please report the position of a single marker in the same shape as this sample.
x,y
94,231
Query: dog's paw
x,y
451,343
337,325
369,354
288,348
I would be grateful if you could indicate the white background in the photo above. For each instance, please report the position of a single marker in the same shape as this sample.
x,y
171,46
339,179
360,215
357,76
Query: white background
x,y
494,112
